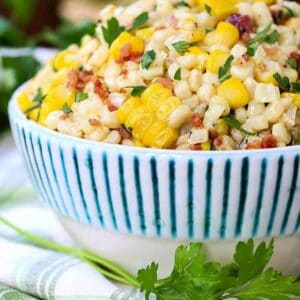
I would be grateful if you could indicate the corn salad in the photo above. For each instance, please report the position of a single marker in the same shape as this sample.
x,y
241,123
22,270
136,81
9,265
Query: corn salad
x,y
189,75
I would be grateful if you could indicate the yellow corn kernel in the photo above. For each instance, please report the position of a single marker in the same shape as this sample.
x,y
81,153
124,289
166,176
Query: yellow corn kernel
x,y
210,38
154,95
206,146
145,33
140,120
227,34
136,44
235,92
197,35
127,107
65,60
166,107
216,59
295,98
219,9
26,103
265,77
221,127
268,2
138,144
197,51
55,100
159,135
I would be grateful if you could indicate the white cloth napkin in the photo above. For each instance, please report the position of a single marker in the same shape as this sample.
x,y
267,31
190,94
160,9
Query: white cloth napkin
x,y
40,272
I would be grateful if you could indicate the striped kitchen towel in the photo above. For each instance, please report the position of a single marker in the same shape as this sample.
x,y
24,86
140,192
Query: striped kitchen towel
x,y
29,272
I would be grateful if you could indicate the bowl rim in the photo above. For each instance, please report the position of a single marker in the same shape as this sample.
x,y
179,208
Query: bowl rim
x,y
15,114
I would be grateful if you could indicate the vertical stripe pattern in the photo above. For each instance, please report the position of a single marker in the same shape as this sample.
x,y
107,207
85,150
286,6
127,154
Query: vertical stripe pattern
x,y
183,196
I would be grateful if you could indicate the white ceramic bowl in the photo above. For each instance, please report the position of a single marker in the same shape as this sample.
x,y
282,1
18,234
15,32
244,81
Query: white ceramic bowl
x,y
136,205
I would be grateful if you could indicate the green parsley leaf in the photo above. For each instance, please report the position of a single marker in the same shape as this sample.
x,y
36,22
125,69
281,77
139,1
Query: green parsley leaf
x,y
39,97
272,37
295,87
181,4
181,47
32,108
177,75
112,31
223,71
147,278
137,90
66,109
234,123
147,59
292,62
270,285
284,82
297,139
208,9
140,20
251,49
290,11
261,35
81,96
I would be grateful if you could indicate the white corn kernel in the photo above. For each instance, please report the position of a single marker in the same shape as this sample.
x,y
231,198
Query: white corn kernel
x,y
195,80
281,133
113,137
255,108
241,114
273,111
206,91
198,135
266,93
258,123
179,116
182,90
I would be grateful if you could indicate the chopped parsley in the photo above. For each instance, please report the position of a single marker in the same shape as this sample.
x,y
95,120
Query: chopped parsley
x,y
80,97
208,9
66,109
223,71
272,37
286,85
112,31
140,20
297,140
177,75
234,123
181,4
262,36
137,90
38,100
147,59
292,62
181,47
290,12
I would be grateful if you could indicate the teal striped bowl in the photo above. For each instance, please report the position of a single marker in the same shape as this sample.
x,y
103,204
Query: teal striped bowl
x,y
166,194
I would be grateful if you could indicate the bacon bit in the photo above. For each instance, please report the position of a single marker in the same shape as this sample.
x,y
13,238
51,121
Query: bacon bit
x,y
126,54
167,83
195,147
124,133
112,107
122,90
94,122
257,144
213,134
63,117
218,142
162,27
100,89
296,55
271,50
124,72
173,21
78,79
279,17
245,57
269,141
245,37
196,120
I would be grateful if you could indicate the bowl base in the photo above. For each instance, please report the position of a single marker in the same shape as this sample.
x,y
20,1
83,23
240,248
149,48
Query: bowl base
x,y
135,252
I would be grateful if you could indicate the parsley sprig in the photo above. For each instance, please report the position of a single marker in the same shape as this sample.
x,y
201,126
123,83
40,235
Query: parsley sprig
x,y
234,123
137,90
223,71
286,85
181,4
112,30
193,276
182,46
140,20
147,59
38,100
265,36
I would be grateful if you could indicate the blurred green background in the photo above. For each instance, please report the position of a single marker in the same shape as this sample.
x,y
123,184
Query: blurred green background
x,y
36,23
